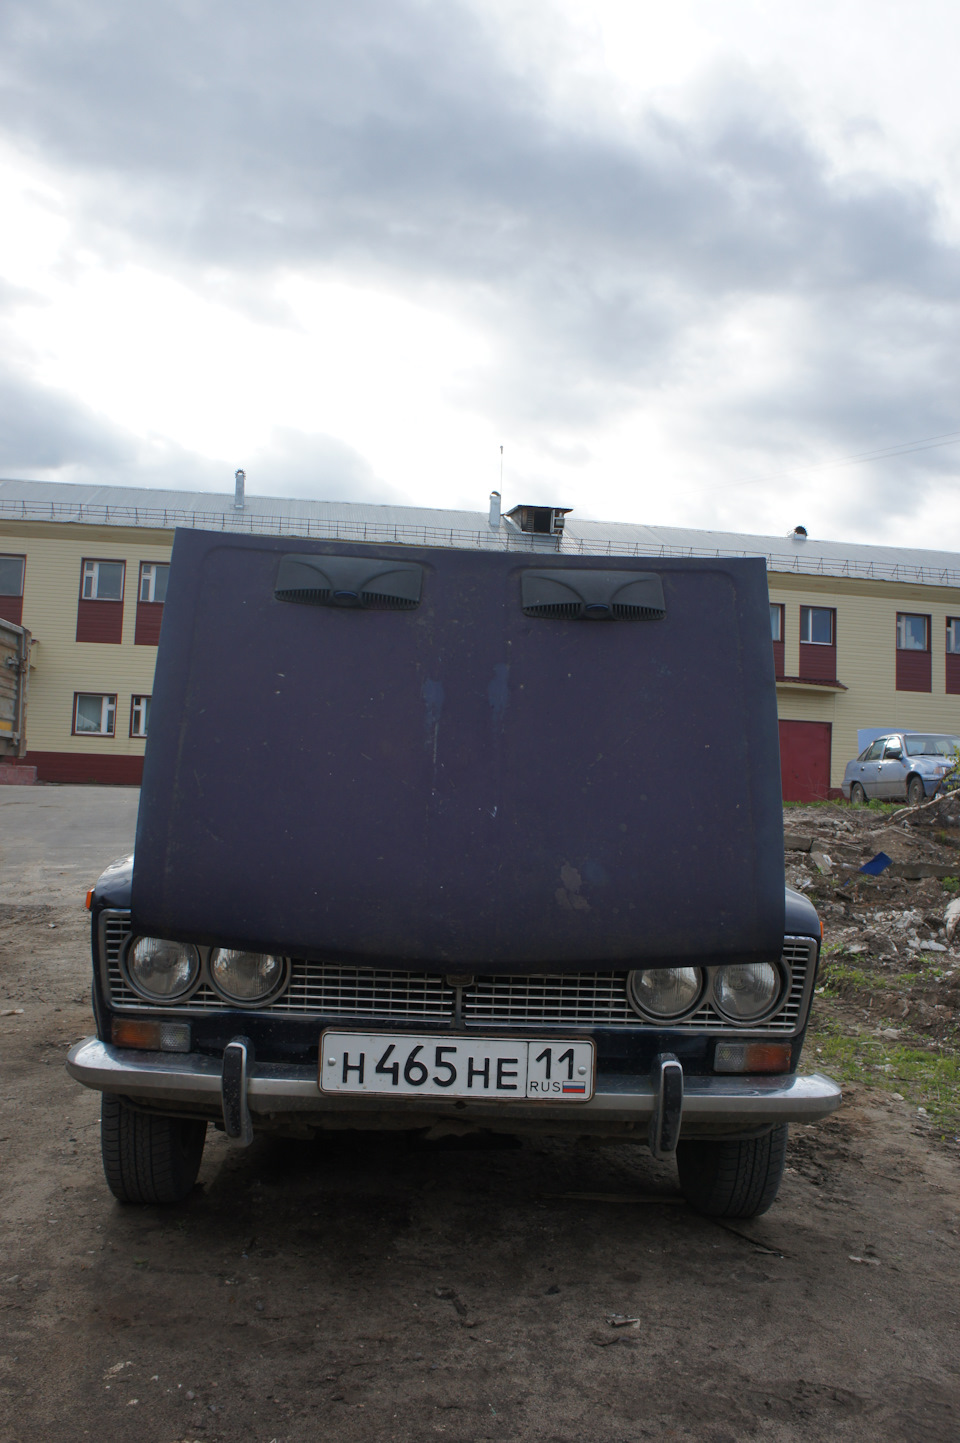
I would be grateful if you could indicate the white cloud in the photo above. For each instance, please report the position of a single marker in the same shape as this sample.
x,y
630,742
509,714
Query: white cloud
x,y
662,254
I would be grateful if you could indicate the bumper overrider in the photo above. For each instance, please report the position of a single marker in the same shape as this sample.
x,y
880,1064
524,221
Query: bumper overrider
x,y
241,1093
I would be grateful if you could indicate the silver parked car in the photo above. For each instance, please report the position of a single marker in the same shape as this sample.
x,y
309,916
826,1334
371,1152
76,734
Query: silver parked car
x,y
902,766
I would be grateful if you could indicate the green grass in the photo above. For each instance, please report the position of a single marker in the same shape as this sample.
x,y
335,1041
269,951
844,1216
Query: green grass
x,y
836,973
927,1078
836,978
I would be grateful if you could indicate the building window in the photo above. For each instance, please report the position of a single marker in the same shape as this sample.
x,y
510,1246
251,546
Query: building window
x,y
11,575
11,589
151,595
776,632
818,643
913,652
776,621
153,580
94,714
100,608
139,715
817,625
102,581
952,658
913,632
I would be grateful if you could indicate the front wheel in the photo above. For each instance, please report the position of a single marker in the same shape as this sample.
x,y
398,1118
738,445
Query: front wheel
x,y
148,1159
858,796
915,792
733,1179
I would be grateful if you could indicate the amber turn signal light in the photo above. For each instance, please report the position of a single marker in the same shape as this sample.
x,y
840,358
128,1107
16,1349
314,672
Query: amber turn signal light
x,y
752,1057
150,1036
89,902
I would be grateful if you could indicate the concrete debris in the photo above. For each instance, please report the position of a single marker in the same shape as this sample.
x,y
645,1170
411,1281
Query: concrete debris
x,y
879,943
822,862
913,871
891,913
951,918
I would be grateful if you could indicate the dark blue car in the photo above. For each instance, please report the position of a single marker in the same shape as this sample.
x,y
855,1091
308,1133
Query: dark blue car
x,y
407,858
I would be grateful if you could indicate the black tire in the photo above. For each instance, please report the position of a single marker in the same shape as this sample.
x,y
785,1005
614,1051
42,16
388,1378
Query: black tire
x,y
858,796
148,1159
733,1179
915,792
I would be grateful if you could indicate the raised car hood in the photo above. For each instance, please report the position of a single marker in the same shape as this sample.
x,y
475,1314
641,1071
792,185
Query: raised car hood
x,y
378,753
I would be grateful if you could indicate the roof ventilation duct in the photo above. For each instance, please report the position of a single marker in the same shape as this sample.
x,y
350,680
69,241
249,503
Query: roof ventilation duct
x,y
539,520
239,477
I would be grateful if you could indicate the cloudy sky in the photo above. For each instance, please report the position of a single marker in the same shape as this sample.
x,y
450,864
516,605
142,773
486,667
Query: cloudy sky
x,y
694,264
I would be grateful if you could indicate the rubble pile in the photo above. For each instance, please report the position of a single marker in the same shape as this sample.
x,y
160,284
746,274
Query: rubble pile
x,y
891,939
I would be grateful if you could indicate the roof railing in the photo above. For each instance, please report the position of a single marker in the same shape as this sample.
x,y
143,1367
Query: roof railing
x,y
254,523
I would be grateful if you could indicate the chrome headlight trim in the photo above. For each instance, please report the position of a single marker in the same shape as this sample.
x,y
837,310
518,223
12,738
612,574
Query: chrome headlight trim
x,y
303,997
661,1019
767,1012
264,1000
173,999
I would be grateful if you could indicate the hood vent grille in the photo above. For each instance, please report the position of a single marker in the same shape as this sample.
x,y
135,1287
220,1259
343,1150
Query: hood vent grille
x,y
593,595
349,582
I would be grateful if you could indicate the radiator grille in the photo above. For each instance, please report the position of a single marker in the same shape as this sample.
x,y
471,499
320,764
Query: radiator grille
x,y
599,999
577,999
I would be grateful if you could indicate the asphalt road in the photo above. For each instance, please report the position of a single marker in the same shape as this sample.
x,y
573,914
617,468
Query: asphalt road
x,y
55,841
371,1287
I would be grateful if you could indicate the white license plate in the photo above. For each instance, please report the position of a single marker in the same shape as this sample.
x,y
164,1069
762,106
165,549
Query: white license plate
x,y
411,1065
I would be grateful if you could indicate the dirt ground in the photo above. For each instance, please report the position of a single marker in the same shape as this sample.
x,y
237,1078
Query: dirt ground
x,y
370,1288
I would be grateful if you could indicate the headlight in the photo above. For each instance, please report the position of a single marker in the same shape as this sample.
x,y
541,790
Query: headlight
x,y
665,993
745,992
246,977
162,970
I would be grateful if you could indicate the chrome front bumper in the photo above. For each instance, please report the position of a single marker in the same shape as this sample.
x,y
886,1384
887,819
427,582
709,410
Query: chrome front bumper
x,y
270,1092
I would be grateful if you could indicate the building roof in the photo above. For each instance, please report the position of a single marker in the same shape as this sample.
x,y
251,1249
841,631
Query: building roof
x,y
425,526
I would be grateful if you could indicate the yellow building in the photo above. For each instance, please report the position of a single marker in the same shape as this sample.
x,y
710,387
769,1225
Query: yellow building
x,y
865,638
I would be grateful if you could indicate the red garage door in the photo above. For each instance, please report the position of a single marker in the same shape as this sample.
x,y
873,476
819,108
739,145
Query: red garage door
x,y
805,760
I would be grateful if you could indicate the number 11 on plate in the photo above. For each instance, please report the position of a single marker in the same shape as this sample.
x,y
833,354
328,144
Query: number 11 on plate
x,y
411,1064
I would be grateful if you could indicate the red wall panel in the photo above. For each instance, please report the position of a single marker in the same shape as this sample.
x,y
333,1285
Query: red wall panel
x,y
779,657
913,671
953,673
149,617
86,767
11,609
805,760
100,621
818,663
